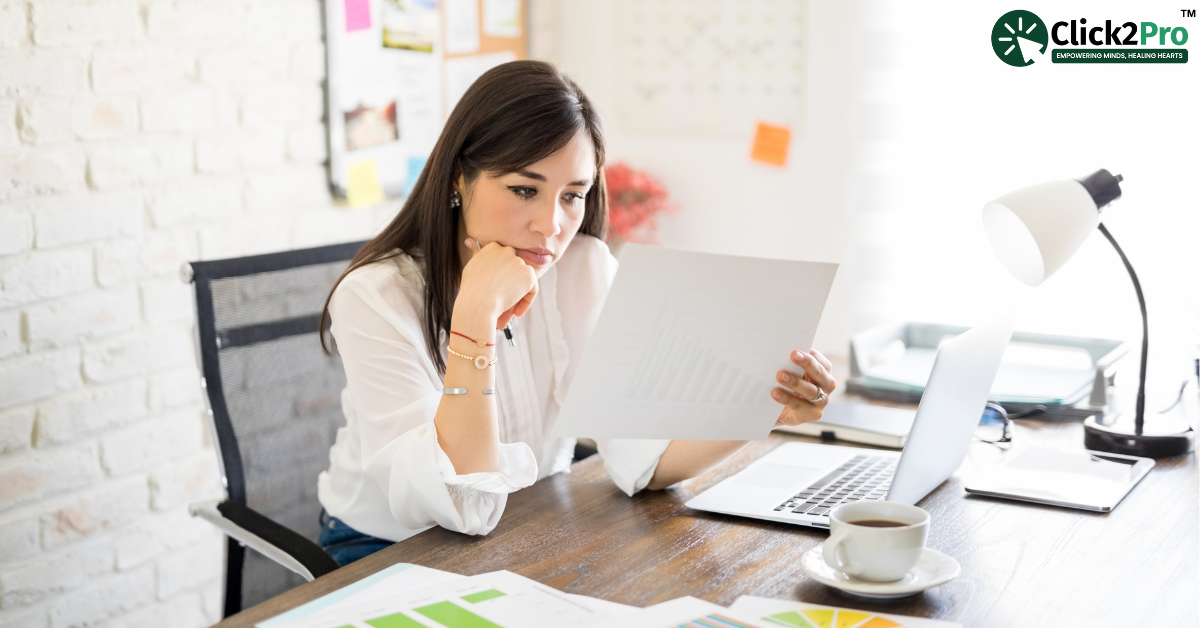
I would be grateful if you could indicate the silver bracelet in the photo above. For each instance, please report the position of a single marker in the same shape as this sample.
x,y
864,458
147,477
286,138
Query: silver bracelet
x,y
463,391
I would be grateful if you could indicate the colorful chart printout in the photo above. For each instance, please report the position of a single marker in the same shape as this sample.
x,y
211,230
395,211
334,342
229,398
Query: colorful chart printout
x,y
790,614
495,600
714,620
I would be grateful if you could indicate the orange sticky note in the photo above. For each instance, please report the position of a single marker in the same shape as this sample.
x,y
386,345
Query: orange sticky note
x,y
362,187
771,144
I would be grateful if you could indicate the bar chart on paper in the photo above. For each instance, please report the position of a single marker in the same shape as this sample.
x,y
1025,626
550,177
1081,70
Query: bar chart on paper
x,y
709,352
494,600
490,608
714,620
688,344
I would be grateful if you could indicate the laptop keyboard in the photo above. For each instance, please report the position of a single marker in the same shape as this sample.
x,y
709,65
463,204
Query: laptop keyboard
x,y
859,478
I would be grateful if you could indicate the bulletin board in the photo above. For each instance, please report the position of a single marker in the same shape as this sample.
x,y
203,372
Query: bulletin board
x,y
714,68
395,70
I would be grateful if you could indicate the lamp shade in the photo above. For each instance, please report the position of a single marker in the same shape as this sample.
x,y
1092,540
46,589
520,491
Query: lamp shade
x,y
1035,230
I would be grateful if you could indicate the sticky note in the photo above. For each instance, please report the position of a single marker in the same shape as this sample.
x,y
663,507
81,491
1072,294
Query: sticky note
x,y
415,166
362,185
358,15
771,144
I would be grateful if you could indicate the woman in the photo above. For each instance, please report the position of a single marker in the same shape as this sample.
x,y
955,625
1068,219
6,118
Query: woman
x,y
502,231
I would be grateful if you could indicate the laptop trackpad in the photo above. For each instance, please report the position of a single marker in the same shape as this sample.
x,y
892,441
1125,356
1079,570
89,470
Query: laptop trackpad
x,y
769,475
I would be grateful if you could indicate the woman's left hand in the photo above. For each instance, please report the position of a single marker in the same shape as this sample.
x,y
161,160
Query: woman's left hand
x,y
804,395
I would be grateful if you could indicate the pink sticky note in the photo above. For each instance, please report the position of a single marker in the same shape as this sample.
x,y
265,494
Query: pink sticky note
x,y
358,15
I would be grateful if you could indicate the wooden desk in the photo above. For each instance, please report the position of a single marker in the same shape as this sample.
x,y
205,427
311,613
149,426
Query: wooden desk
x,y
1022,564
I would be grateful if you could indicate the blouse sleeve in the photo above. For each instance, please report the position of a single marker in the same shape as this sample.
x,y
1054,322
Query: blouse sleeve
x,y
631,463
395,394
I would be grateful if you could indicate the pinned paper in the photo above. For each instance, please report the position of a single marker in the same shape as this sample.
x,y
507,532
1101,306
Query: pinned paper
x,y
415,166
462,26
771,143
461,72
362,187
502,18
358,15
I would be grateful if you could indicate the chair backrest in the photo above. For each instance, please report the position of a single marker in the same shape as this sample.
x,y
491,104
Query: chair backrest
x,y
274,397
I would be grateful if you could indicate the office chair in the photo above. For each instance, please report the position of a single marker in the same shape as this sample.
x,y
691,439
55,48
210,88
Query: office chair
x,y
274,405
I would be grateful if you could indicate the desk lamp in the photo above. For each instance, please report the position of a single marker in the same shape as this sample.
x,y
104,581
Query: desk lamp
x,y
1034,231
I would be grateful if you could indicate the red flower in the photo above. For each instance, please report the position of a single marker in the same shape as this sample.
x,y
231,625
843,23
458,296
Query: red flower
x,y
634,198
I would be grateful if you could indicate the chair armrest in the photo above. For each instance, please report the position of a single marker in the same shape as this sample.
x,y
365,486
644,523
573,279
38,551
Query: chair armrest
x,y
265,536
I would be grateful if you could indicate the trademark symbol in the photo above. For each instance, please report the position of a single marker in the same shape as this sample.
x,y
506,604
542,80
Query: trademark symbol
x,y
1188,12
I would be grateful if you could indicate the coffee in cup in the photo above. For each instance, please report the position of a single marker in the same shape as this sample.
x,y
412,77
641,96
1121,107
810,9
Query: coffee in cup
x,y
876,540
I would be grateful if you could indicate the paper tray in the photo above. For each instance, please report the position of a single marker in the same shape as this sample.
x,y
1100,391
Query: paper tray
x,y
886,363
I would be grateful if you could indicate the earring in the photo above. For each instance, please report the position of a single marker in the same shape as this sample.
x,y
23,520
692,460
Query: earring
x,y
455,199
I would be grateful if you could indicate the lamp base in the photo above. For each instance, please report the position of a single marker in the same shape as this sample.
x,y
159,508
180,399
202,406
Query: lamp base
x,y
1161,436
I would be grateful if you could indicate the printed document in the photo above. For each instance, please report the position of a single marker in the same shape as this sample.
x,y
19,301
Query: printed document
x,y
688,344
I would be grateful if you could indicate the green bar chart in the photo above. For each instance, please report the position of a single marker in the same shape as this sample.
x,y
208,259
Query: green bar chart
x,y
452,615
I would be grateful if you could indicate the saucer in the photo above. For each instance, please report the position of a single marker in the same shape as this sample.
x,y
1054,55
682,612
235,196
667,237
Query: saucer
x,y
932,569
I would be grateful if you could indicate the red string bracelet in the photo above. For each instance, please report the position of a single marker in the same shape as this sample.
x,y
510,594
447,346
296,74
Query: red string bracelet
x,y
478,342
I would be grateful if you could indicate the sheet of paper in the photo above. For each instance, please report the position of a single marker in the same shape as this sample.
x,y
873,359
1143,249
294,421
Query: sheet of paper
x,y
395,580
363,184
684,612
462,26
804,615
358,15
603,606
499,599
771,144
502,18
688,344
461,72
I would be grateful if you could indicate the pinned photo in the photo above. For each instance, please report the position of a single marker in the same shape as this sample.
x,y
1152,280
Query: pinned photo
x,y
410,24
371,126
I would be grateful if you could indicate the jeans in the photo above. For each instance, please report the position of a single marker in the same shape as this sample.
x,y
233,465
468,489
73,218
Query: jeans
x,y
345,544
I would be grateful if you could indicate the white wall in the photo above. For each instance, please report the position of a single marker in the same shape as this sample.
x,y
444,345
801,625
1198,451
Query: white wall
x,y
952,128
729,204
135,135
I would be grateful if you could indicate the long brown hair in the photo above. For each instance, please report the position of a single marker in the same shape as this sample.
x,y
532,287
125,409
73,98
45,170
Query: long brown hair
x,y
515,115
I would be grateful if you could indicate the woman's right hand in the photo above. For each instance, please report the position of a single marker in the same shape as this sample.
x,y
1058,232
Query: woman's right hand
x,y
496,284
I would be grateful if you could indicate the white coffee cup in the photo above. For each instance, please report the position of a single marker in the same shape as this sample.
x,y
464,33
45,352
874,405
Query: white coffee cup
x,y
875,553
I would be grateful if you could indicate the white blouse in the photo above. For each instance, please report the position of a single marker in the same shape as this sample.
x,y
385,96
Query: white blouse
x,y
387,476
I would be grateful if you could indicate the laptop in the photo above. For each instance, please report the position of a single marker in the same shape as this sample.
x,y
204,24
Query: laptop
x,y
801,483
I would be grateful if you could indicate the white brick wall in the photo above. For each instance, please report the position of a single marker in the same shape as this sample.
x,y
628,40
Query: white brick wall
x,y
135,135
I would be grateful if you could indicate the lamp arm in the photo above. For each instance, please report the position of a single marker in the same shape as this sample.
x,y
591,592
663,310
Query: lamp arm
x,y
1137,286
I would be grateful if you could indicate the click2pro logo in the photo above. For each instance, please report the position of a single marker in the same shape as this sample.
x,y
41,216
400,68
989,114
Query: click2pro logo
x,y
1019,37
